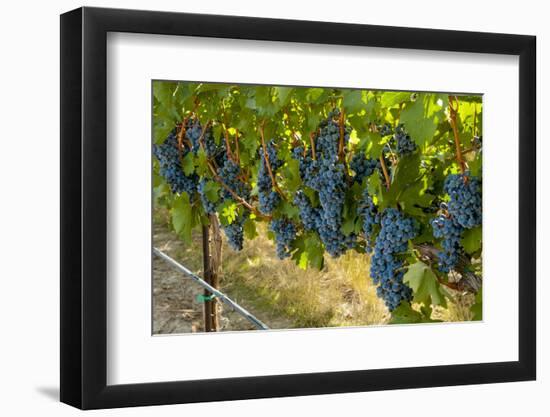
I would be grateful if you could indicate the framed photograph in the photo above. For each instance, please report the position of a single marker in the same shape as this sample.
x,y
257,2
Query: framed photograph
x,y
257,208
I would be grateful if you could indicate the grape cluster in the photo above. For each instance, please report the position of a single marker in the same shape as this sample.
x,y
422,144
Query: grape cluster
x,y
363,167
463,212
386,267
403,143
328,138
285,233
465,199
267,196
326,175
235,233
169,156
385,129
209,207
229,174
308,166
477,142
368,211
450,231
308,214
193,131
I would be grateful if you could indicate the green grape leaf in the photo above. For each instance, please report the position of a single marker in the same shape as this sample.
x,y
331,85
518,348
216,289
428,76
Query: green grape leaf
x,y
188,164
423,282
404,314
291,173
477,307
182,217
418,123
201,167
212,191
314,250
471,239
249,228
353,102
348,227
283,94
390,99
228,212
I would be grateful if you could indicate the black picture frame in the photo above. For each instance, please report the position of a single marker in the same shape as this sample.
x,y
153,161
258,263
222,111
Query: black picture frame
x,y
84,207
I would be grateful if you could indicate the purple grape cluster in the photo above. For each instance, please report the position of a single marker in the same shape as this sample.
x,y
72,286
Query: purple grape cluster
x,y
368,211
386,267
308,166
363,167
229,174
234,233
285,233
308,214
328,138
169,156
209,207
465,199
404,145
447,229
385,129
464,212
326,176
267,196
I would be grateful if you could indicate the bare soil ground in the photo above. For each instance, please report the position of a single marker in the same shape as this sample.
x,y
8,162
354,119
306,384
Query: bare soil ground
x,y
175,305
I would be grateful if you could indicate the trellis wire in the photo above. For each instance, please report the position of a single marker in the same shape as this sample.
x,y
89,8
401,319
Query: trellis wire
x,y
221,296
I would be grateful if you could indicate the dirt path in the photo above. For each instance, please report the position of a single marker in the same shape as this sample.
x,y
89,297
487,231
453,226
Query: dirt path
x,y
175,305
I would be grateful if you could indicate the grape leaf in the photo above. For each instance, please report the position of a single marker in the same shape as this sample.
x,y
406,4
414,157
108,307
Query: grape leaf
x,y
477,307
404,314
353,102
249,228
424,284
182,216
188,164
471,239
420,126
392,98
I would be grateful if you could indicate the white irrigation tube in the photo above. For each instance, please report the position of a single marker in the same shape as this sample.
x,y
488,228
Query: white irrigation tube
x,y
250,317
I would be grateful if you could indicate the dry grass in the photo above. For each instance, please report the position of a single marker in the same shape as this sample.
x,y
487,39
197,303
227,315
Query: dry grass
x,y
339,295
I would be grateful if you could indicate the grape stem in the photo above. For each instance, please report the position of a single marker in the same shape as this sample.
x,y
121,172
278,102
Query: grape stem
x,y
268,164
341,145
475,119
342,134
453,111
237,146
181,136
204,129
385,172
235,196
312,141
227,144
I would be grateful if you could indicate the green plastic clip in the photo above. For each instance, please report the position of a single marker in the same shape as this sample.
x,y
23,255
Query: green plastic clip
x,y
201,298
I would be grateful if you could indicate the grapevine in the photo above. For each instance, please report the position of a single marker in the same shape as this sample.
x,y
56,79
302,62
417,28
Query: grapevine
x,y
324,169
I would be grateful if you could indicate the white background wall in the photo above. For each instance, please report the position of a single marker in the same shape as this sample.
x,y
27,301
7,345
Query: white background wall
x,y
29,221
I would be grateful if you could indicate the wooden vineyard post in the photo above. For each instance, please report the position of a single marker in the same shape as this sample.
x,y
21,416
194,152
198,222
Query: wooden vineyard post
x,y
211,248
215,265
207,305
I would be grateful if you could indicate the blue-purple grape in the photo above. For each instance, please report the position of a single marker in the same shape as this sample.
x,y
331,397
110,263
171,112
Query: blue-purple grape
x,y
285,233
404,145
465,199
368,212
447,229
268,198
169,156
386,268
